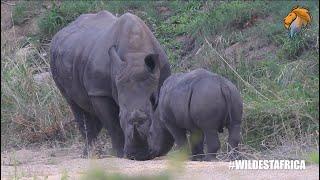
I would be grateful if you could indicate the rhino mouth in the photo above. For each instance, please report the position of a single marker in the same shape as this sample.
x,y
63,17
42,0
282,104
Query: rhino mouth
x,y
140,155
138,149
153,154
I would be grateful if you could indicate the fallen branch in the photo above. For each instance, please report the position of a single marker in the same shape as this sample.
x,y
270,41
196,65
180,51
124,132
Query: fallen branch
x,y
10,4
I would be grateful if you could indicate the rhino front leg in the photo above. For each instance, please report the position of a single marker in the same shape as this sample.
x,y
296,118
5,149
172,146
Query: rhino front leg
x,y
213,144
108,113
233,141
89,127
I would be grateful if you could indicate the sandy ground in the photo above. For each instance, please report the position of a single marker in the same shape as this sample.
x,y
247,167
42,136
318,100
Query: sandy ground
x,y
55,163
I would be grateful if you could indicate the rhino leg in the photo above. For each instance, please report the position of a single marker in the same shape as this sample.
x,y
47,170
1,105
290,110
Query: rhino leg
x,y
213,144
178,134
197,146
108,113
88,124
233,140
89,127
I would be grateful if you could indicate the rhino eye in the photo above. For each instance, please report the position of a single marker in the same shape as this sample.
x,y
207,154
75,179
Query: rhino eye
x,y
150,62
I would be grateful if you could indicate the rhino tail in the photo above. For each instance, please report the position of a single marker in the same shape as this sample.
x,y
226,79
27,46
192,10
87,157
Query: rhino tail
x,y
226,92
189,103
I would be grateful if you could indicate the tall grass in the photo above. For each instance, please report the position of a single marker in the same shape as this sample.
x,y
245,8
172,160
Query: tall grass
x,y
31,111
291,111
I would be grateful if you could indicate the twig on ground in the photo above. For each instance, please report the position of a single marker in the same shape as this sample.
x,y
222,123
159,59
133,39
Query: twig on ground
x,y
198,51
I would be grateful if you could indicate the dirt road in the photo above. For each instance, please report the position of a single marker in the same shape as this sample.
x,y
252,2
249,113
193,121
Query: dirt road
x,y
58,163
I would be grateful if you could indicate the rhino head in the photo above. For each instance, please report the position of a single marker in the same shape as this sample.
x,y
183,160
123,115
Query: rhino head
x,y
136,79
160,141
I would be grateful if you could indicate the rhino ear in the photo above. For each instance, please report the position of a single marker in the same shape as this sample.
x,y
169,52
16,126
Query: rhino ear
x,y
152,63
114,56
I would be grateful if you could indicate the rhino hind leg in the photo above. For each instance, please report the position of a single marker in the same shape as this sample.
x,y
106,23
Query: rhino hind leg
x,y
197,146
233,141
213,144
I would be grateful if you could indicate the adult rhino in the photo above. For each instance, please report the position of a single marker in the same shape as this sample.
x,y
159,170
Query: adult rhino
x,y
109,69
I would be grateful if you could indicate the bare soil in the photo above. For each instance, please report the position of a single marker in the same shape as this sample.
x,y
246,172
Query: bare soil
x,y
54,163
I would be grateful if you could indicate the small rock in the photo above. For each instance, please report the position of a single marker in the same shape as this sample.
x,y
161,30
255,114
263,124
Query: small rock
x,y
41,77
164,11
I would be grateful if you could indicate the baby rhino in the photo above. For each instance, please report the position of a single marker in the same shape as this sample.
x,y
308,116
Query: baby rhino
x,y
199,102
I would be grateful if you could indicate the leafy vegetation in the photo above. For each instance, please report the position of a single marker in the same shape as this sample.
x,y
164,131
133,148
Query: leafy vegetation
x,y
59,16
100,174
278,76
24,11
314,157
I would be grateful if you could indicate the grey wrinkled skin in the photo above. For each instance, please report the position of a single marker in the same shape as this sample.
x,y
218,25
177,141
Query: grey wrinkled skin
x,y
108,68
199,102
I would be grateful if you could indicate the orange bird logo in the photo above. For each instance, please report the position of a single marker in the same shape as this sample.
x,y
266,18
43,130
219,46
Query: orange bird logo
x,y
298,18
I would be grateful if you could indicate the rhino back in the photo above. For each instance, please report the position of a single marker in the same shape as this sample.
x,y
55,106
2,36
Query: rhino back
x,y
71,49
175,97
208,107
211,97
79,59
195,99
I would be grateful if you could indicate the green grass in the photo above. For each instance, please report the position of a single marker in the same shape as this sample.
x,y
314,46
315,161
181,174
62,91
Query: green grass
x,y
175,166
314,157
288,76
59,16
65,175
20,13
100,174
24,10
230,16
